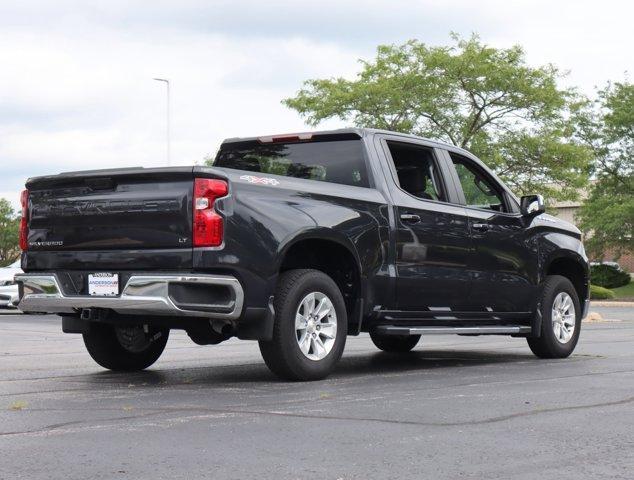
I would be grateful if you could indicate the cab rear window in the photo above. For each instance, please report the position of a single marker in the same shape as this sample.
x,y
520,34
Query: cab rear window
x,y
334,161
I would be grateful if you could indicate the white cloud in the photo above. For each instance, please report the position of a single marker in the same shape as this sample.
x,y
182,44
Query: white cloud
x,y
76,87
95,105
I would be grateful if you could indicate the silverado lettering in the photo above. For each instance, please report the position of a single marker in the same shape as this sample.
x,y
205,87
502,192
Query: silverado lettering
x,y
63,208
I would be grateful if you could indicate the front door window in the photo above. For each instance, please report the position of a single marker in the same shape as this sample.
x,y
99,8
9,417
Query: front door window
x,y
479,190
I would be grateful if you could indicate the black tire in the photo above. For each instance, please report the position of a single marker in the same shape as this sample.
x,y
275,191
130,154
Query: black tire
x,y
125,349
282,354
394,343
547,345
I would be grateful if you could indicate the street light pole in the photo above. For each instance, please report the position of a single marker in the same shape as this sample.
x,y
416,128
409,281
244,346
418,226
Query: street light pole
x,y
167,84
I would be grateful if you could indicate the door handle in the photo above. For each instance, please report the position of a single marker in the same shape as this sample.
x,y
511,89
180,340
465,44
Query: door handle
x,y
410,218
481,227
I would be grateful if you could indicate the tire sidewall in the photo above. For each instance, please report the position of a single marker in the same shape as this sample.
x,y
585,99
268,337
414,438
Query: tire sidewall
x,y
312,282
559,285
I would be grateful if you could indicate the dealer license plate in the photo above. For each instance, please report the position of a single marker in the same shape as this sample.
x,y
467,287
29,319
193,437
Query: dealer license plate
x,y
103,284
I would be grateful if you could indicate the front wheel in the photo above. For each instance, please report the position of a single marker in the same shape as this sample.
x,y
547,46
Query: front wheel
x,y
310,327
125,349
561,319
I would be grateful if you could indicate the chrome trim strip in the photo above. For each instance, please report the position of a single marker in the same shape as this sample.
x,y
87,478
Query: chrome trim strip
x,y
142,294
486,330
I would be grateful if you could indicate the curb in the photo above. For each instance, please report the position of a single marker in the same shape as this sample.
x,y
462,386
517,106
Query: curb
x,y
611,303
596,317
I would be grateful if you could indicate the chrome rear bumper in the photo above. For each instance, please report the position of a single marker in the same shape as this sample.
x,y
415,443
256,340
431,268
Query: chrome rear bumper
x,y
141,295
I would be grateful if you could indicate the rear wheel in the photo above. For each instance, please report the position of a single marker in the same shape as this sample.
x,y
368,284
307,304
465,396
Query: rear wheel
x,y
310,326
394,343
125,348
561,319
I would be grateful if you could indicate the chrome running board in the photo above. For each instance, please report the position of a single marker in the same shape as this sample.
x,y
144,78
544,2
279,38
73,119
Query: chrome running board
x,y
485,330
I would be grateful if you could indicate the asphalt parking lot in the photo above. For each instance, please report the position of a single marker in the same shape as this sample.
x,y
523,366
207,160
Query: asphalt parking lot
x,y
456,407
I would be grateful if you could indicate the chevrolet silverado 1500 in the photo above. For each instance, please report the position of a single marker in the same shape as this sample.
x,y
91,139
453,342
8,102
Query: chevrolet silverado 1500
x,y
298,241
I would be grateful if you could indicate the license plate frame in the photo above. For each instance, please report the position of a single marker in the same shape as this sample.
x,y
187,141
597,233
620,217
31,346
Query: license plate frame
x,y
103,284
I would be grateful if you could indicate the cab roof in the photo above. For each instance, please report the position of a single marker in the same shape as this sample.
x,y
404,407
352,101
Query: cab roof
x,y
341,132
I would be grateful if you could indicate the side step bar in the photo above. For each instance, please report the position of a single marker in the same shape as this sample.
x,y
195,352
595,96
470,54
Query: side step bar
x,y
485,330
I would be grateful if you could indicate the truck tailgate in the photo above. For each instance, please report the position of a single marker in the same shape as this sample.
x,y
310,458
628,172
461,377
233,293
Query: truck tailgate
x,y
105,210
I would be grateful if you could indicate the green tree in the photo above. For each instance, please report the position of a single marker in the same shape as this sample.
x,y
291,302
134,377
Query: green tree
x,y
481,98
607,215
9,230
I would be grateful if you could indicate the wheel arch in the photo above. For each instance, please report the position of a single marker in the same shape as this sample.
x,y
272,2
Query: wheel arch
x,y
572,266
334,254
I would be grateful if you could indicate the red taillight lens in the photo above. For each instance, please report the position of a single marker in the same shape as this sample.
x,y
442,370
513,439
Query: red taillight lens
x,y
208,225
291,137
24,221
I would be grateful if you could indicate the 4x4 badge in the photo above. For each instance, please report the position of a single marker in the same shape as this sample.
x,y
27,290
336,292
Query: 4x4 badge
x,y
260,180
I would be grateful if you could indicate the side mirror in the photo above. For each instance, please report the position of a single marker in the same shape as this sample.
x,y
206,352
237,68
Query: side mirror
x,y
532,205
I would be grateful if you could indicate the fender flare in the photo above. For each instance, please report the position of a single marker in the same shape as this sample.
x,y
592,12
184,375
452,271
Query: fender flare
x,y
566,254
318,233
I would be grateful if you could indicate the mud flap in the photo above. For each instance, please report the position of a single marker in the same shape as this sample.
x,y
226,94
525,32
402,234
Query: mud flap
x,y
536,323
257,323
354,325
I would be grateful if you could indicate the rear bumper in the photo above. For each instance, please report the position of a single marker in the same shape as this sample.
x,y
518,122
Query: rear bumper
x,y
192,295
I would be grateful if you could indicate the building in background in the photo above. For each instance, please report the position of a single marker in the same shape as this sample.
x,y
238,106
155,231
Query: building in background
x,y
566,210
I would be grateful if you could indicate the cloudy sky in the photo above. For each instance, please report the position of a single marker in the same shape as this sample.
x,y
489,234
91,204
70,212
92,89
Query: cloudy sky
x,y
76,88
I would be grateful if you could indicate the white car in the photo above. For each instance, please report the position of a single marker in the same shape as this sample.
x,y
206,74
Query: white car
x,y
9,296
610,264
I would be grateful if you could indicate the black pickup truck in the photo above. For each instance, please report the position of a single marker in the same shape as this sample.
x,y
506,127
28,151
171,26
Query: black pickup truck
x,y
298,241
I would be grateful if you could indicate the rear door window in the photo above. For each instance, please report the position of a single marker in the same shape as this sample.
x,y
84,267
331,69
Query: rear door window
x,y
416,171
338,161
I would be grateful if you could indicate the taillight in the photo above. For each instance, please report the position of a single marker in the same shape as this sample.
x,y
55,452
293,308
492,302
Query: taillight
x,y
208,225
24,221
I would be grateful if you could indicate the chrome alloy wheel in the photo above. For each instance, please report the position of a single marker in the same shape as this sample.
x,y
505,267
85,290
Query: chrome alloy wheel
x,y
563,317
316,325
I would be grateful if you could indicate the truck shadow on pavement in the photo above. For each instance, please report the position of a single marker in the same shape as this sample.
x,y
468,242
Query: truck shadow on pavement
x,y
350,366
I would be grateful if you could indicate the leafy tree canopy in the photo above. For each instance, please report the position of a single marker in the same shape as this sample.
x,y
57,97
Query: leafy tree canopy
x,y
608,214
9,229
485,99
